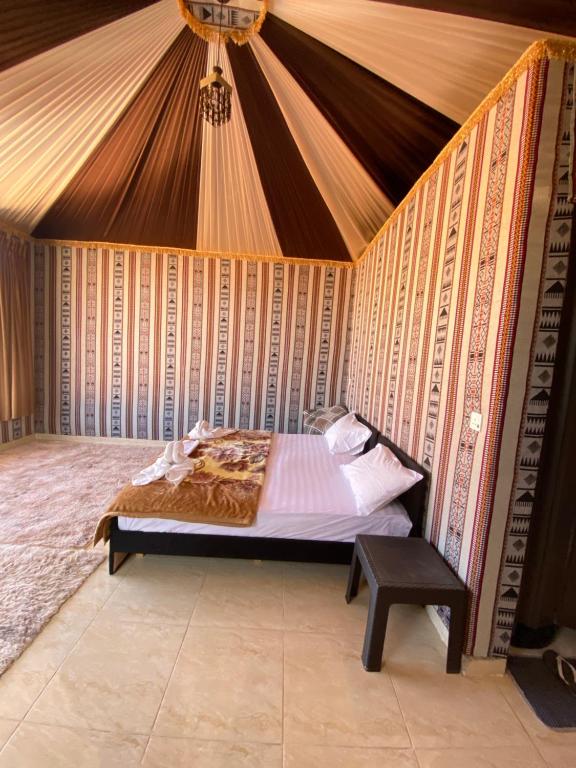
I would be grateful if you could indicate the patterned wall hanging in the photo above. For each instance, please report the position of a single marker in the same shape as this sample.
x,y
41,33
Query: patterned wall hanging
x,y
213,21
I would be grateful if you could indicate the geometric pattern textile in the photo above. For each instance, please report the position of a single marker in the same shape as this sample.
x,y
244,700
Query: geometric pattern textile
x,y
319,420
443,321
135,343
540,375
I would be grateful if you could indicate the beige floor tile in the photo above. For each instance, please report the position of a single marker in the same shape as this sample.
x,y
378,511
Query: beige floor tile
x,y
165,752
314,600
443,711
94,592
557,747
23,682
242,566
43,746
157,590
557,756
500,757
226,686
19,690
7,728
329,699
412,642
241,593
309,756
113,679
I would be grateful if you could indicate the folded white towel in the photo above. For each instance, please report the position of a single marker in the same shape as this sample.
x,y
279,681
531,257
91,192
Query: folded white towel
x,y
203,431
174,452
174,464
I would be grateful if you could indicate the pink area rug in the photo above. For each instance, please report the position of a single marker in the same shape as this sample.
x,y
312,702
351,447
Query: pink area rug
x,y
51,497
34,582
53,493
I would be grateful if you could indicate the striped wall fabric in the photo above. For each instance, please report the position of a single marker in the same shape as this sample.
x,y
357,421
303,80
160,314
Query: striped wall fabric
x,y
551,290
23,425
443,325
15,429
143,344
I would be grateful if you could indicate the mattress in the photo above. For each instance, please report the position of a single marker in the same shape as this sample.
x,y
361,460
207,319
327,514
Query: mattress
x,y
305,496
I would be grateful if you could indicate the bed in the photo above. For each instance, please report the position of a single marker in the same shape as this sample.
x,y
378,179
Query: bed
x,y
303,513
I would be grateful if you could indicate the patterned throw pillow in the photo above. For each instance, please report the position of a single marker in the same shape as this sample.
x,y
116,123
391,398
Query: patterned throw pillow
x,y
318,420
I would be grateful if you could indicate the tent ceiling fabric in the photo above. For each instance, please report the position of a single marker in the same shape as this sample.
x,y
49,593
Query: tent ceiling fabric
x,y
349,96
355,200
229,182
141,185
337,108
57,107
48,24
449,62
557,16
301,217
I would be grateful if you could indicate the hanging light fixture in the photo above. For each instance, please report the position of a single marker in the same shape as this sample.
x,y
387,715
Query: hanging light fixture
x,y
211,21
215,92
215,98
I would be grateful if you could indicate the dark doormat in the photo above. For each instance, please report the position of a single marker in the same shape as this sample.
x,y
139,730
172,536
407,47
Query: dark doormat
x,y
548,696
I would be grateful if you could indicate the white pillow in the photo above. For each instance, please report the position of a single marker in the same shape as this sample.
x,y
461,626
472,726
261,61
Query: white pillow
x,y
347,435
377,478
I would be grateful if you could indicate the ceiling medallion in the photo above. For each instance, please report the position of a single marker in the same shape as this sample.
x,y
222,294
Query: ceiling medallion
x,y
215,21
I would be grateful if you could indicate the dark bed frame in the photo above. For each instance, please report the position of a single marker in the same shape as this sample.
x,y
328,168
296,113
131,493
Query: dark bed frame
x,y
124,543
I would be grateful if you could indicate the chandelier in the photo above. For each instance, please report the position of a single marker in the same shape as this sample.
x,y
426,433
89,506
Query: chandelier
x,y
215,22
215,98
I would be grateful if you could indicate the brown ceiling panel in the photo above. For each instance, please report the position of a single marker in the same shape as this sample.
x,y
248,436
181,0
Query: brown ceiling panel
x,y
28,27
395,136
141,184
304,225
558,16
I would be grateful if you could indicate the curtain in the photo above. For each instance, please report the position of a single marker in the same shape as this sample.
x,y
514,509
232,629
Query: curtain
x,y
16,359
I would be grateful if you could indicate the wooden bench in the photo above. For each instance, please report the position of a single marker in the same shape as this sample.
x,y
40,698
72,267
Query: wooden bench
x,y
400,570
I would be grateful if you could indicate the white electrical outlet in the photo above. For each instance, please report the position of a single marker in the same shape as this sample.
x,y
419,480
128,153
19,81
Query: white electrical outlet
x,y
476,421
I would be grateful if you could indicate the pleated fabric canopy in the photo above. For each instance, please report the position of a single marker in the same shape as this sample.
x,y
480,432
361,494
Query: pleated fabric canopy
x,y
337,109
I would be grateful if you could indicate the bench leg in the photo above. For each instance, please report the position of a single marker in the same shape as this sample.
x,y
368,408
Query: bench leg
x,y
375,632
456,636
353,577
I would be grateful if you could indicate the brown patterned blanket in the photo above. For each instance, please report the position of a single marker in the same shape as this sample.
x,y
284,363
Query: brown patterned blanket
x,y
223,490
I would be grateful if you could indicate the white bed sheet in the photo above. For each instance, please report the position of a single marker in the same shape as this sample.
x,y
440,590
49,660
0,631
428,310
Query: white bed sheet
x,y
305,496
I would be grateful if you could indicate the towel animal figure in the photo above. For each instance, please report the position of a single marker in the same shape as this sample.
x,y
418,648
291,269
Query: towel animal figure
x,y
203,431
174,464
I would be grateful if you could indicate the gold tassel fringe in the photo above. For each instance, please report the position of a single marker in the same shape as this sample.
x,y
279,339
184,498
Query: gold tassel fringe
x,y
238,36
233,256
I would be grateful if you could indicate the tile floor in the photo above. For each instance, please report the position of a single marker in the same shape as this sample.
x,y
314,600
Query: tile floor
x,y
181,662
